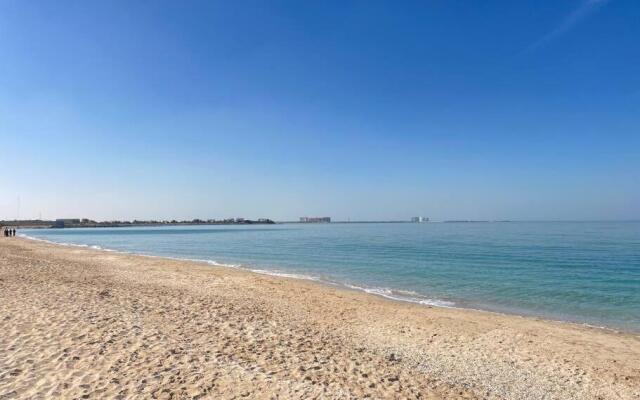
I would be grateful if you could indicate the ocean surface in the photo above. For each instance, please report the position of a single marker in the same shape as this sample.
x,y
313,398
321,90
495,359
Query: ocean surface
x,y
586,272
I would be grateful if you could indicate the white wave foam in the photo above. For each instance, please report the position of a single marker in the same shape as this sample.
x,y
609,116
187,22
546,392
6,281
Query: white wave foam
x,y
403,295
84,246
285,274
438,303
197,260
219,264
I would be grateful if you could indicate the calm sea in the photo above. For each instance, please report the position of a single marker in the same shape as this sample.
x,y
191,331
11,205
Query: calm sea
x,y
586,272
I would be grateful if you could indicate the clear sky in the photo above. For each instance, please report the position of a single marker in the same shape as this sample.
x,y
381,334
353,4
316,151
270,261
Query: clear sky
x,y
361,110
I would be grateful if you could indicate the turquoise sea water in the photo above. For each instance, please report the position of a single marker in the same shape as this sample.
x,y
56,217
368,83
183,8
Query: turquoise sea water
x,y
586,272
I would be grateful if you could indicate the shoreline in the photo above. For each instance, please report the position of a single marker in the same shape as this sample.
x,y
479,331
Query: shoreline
x,y
351,287
107,324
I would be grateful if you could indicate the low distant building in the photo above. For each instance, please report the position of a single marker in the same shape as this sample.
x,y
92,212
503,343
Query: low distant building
x,y
62,222
315,219
419,219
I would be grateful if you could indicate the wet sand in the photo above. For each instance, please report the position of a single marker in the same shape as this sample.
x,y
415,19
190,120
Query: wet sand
x,y
82,323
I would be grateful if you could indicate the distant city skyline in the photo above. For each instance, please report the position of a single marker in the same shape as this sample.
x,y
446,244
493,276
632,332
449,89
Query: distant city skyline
x,y
364,111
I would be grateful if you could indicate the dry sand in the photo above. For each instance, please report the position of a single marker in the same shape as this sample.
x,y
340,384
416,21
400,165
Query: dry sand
x,y
81,323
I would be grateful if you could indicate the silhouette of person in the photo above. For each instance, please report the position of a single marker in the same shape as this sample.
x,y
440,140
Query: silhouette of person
x,y
14,232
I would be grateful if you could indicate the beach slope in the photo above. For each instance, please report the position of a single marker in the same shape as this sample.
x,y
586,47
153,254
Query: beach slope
x,y
82,323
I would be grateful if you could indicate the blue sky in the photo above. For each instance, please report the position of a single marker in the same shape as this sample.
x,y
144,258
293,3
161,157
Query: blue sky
x,y
361,110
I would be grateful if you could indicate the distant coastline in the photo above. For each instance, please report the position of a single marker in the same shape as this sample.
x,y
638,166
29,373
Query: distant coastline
x,y
468,221
83,223
87,223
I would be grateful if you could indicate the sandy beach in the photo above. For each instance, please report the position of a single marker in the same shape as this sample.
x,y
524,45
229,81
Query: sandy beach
x,y
82,323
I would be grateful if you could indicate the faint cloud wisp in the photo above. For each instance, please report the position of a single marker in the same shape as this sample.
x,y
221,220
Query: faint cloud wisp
x,y
582,12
